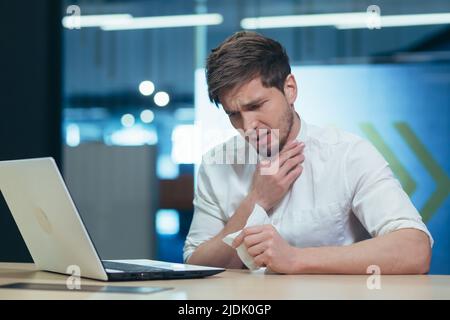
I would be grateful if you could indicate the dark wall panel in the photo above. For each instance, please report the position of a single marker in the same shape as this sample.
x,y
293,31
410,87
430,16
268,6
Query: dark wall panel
x,y
30,95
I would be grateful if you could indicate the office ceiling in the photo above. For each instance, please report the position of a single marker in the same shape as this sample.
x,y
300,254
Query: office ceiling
x,y
104,68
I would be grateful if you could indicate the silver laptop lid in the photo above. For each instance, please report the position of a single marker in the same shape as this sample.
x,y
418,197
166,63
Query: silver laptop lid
x,y
48,219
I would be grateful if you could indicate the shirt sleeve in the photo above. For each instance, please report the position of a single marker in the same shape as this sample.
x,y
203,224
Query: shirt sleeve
x,y
208,219
378,199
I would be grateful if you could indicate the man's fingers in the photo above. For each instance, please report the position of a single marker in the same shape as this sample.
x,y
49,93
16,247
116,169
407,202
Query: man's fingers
x,y
291,148
290,164
257,249
238,240
289,145
283,157
293,175
254,239
252,230
246,232
260,260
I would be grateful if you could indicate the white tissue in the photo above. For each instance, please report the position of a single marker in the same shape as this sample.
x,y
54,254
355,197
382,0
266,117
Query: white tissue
x,y
258,217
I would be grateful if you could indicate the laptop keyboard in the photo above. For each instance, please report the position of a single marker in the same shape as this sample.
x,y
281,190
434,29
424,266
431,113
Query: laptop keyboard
x,y
132,268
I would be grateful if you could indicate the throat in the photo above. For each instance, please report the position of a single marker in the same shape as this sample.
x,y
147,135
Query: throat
x,y
295,128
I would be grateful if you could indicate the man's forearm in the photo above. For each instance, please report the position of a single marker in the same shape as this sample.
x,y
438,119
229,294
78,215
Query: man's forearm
x,y
215,252
404,251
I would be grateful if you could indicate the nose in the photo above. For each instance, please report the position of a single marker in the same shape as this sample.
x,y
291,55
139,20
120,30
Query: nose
x,y
249,123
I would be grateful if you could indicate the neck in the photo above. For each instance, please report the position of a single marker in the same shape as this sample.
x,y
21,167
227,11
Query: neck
x,y
295,129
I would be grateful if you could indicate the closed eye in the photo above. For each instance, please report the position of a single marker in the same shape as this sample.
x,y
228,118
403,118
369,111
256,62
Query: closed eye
x,y
232,114
256,105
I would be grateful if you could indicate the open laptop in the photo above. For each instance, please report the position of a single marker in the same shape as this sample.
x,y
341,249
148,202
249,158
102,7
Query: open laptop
x,y
56,236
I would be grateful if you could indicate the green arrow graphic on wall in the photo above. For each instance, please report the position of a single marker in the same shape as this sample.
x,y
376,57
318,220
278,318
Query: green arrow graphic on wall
x,y
409,185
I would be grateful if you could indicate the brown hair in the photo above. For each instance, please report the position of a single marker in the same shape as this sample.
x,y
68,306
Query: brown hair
x,y
242,57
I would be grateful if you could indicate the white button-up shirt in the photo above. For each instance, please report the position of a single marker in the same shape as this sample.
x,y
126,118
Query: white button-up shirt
x,y
346,193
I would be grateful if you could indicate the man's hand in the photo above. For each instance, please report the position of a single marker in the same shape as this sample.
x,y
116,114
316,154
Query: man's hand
x,y
268,248
269,189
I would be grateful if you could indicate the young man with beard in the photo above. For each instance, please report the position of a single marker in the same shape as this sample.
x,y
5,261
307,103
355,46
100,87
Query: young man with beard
x,y
334,204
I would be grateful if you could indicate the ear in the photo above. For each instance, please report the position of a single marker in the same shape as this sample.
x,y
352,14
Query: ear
x,y
290,89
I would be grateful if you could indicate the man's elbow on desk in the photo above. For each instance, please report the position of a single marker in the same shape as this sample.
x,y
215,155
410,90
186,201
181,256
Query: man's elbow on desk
x,y
418,244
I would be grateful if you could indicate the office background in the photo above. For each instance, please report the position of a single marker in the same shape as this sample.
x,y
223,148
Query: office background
x,y
119,104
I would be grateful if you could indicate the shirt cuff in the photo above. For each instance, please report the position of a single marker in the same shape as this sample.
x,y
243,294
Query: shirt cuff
x,y
398,225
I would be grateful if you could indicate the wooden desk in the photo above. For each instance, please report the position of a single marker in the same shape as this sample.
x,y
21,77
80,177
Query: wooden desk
x,y
238,284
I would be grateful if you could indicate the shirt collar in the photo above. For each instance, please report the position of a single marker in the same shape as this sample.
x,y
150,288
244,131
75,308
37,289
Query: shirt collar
x,y
303,131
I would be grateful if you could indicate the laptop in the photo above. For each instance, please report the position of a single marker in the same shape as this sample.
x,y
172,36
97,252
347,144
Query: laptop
x,y
56,236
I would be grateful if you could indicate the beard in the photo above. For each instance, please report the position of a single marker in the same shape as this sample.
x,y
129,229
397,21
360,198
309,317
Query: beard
x,y
286,122
268,147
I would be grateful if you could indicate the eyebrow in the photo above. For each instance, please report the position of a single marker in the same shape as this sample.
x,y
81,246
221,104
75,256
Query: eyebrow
x,y
253,103
247,105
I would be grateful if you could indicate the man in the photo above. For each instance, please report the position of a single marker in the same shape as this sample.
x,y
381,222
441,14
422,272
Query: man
x,y
334,205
